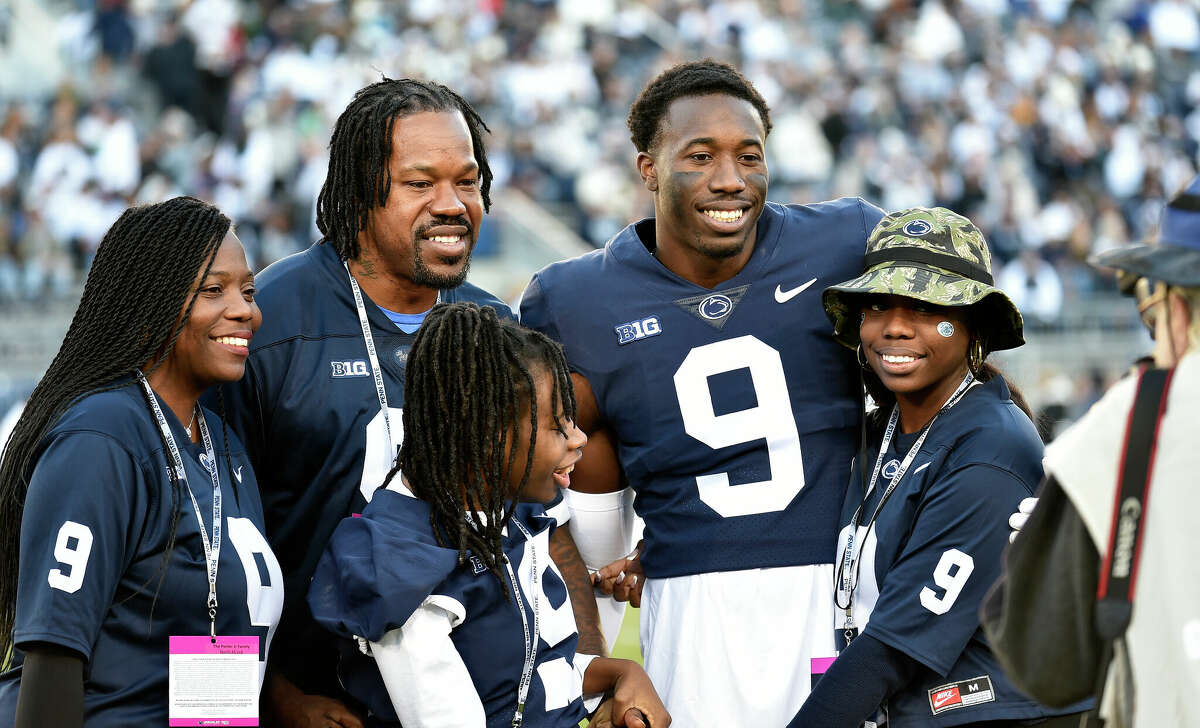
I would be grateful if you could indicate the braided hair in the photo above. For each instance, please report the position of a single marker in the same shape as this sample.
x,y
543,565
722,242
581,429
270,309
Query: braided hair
x,y
469,388
360,151
143,276
695,78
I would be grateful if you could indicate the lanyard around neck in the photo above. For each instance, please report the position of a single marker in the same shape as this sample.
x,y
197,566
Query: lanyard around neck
x,y
531,640
212,549
373,357
376,372
850,562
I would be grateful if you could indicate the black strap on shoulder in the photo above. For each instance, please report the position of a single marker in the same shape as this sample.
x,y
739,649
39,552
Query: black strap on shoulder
x,y
1118,574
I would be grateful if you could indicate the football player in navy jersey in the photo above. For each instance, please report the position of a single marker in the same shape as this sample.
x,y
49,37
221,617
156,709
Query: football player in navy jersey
x,y
463,617
129,486
320,406
953,451
707,378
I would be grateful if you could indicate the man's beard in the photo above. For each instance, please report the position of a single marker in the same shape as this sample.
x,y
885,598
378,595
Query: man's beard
x,y
423,275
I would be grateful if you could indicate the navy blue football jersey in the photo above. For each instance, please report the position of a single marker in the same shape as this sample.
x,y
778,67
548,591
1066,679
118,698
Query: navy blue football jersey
x,y
96,523
379,568
734,409
309,415
935,549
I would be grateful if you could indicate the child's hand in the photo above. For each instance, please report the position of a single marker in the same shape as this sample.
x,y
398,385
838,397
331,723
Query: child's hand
x,y
602,718
635,702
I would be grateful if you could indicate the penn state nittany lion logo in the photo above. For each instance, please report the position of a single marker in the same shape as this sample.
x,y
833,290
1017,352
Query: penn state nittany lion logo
x,y
917,228
890,468
715,306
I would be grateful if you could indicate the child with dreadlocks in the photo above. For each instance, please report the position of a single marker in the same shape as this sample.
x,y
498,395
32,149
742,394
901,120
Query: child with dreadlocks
x,y
462,618
121,528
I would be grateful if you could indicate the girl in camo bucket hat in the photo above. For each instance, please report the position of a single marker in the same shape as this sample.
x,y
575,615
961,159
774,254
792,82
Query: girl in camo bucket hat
x,y
931,255
945,457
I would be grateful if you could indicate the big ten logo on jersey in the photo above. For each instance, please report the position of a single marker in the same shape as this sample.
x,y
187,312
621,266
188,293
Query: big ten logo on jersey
x,y
349,368
638,330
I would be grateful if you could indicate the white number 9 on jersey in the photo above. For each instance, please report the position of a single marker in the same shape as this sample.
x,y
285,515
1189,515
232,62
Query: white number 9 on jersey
x,y
953,583
771,420
73,555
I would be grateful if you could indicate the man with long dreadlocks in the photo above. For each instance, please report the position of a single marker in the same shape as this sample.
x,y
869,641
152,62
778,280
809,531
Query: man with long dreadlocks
x,y
126,526
320,407
463,616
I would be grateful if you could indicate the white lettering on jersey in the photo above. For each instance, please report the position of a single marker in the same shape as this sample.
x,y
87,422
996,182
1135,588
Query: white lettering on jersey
x,y
962,565
351,368
637,330
74,556
377,461
264,602
771,420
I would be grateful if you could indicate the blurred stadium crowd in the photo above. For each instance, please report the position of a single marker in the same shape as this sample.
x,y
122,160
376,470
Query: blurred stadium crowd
x,y
1058,126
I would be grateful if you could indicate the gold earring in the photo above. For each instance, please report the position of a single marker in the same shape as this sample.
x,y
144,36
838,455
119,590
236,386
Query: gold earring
x,y
975,356
861,356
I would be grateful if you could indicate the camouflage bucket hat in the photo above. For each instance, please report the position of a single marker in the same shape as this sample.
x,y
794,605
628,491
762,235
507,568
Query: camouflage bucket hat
x,y
935,256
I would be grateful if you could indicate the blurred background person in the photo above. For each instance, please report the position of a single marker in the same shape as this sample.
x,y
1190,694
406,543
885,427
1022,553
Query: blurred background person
x,y
1046,618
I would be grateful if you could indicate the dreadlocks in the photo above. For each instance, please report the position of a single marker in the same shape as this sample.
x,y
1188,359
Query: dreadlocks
x,y
129,314
471,378
358,179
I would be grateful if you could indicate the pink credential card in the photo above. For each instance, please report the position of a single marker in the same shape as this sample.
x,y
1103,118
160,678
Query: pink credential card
x,y
213,683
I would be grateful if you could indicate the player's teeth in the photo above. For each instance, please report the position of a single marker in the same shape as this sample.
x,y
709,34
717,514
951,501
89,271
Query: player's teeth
x,y
233,340
892,359
445,238
725,215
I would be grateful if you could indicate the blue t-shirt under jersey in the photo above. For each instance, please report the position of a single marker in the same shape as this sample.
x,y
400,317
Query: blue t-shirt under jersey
x,y
406,322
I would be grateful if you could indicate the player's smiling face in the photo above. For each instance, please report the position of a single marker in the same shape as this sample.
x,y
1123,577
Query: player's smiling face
x,y
559,446
214,344
427,229
904,347
708,176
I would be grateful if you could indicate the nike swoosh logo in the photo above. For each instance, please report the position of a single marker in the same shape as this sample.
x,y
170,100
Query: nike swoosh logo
x,y
782,296
238,473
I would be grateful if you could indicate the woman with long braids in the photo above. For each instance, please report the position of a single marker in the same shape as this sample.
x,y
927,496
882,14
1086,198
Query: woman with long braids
x,y
462,618
950,452
129,517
